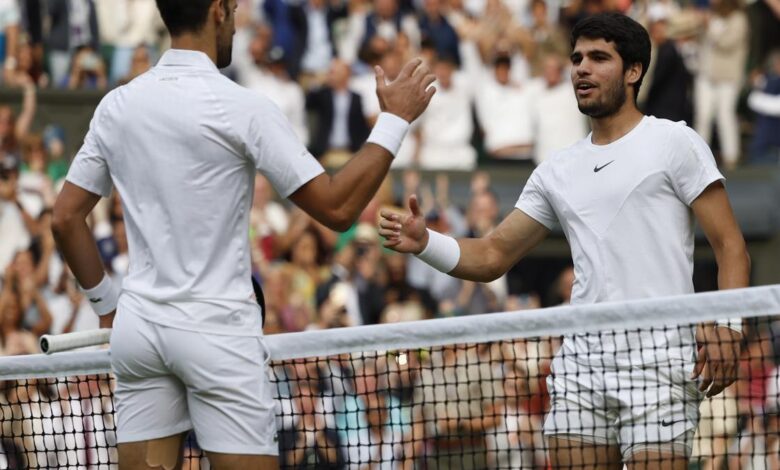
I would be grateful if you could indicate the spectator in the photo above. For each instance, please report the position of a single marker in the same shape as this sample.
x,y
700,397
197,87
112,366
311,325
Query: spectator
x,y
10,18
54,140
721,72
13,129
14,222
764,100
305,267
73,24
311,442
275,83
548,37
138,24
446,127
764,35
22,304
455,408
315,32
340,127
557,123
35,188
87,70
435,26
268,219
387,21
29,70
668,81
140,63
505,114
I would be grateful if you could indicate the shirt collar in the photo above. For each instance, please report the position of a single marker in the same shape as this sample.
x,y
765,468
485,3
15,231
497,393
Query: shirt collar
x,y
187,58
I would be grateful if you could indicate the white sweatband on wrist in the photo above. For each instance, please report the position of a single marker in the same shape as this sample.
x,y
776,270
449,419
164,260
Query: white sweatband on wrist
x,y
733,323
389,132
442,252
103,297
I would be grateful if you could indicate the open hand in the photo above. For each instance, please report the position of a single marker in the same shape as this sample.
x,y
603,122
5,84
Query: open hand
x,y
718,361
404,233
409,94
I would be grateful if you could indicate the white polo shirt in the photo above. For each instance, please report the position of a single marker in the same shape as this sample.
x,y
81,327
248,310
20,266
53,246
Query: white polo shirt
x,y
625,210
181,143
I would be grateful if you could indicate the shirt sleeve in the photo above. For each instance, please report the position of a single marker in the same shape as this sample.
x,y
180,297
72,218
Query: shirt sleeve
x,y
89,169
693,167
278,153
534,201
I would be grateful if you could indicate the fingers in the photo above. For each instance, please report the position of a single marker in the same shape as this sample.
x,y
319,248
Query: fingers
x,y
427,81
700,361
414,206
381,83
706,379
409,68
391,216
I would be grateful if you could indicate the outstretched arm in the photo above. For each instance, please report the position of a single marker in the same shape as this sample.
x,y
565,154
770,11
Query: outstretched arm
x,y
336,201
481,259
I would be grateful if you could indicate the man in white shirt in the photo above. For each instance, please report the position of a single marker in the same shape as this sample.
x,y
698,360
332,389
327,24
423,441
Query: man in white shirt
x,y
182,143
624,197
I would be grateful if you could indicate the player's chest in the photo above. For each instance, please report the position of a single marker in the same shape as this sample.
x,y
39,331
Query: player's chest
x,y
600,187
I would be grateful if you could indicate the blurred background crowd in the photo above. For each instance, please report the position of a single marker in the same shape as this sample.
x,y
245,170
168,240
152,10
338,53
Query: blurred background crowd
x,y
503,97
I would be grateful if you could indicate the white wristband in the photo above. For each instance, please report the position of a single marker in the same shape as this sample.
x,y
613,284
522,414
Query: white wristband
x,y
442,252
103,297
733,323
389,132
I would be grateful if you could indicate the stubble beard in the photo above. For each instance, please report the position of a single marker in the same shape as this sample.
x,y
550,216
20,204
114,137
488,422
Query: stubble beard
x,y
225,54
614,98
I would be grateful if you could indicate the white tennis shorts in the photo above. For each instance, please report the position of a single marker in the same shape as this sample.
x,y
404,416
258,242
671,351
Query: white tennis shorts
x,y
655,407
169,381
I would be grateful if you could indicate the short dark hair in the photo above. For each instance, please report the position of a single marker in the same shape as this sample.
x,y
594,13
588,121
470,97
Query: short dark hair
x,y
630,38
184,16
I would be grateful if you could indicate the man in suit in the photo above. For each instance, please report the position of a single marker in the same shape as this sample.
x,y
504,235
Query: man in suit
x,y
339,126
73,24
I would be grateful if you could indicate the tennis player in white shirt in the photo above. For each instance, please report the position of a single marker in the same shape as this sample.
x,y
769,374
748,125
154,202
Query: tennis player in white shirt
x,y
626,197
182,144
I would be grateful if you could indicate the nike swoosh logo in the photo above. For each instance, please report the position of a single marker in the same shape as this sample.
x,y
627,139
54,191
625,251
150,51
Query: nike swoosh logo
x,y
666,423
597,168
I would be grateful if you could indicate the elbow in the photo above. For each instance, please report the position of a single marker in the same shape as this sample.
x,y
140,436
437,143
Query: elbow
x,y
61,223
339,221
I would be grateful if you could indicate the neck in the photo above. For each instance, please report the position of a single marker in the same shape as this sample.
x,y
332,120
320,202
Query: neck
x,y
195,42
610,128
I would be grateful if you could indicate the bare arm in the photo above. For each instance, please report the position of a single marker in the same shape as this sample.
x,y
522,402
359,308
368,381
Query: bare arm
x,y
27,114
336,201
713,212
74,238
481,259
718,361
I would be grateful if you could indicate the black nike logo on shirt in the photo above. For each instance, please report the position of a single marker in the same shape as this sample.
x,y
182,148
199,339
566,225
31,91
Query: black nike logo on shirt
x,y
597,168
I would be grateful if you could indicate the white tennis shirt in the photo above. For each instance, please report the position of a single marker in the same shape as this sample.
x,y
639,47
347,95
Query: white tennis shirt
x,y
625,210
182,143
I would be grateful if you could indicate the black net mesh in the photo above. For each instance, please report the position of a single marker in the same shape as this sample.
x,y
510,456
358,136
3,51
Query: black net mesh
x,y
526,403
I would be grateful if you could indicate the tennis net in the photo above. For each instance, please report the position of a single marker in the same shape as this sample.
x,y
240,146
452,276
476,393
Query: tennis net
x,y
609,381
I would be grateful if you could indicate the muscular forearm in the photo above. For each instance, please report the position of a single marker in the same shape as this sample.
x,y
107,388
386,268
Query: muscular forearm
x,y
78,247
357,182
733,266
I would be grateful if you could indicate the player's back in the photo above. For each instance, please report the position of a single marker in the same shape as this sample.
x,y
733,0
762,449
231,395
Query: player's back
x,y
182,144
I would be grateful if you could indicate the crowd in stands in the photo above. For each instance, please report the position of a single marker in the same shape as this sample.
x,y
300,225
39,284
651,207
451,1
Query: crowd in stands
x,y
503,95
